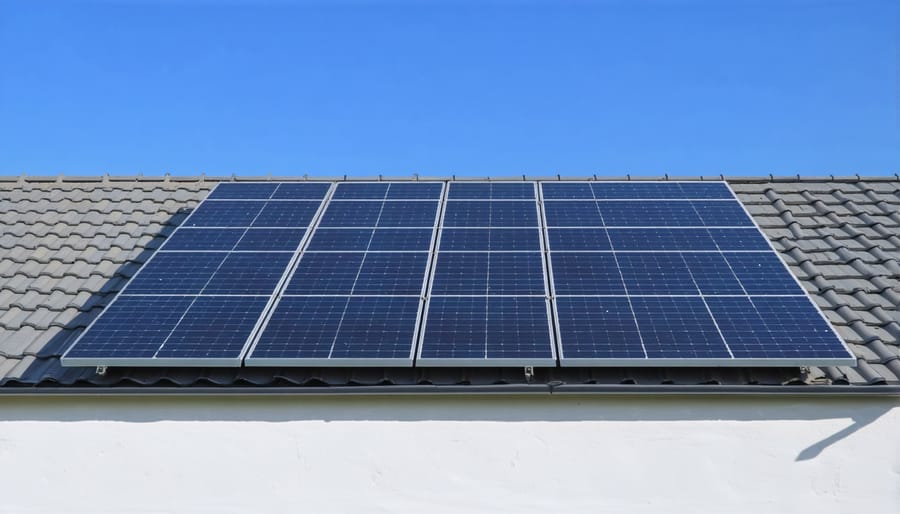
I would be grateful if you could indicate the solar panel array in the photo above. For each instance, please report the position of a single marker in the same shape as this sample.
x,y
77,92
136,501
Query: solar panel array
x,y
464,274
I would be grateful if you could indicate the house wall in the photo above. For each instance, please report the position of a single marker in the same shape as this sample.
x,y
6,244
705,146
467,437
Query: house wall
x,y
449,454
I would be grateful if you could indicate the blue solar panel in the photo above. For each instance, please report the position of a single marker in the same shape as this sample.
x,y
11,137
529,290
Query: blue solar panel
x,y
649,214
133,327
567,190
574,239
762,273
361,191
678,328
496,239
586,273
248,273
401,239
271,239
287,214
382,239
656,274
325,273
214,327
598,328
700,190
378,328
636,190
351,214
176,273
331,330
722,214
408,214
572,214
245,191
770,328
301,191
644,289
632,239
491,191
738,239
493,273
712,274
225,213
223,239
476,331
391,274
490,214
415,190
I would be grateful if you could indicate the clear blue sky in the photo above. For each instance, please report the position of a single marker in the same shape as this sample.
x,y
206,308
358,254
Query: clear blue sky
x,y
471,88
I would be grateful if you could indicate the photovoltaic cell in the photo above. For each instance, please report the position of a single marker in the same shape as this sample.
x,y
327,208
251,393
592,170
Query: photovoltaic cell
x,y
486,329
286,213
649,214
714,213
250,273
132,327
491,191
243,191
349,330
656,274
301,191
270,239
577,273
575,239
391,274
678,328
204,239
360,191
768,328
632,239
636,190
214,327
490,239
490,214
225,214
582,318
572,214
762,273
326,273
176,273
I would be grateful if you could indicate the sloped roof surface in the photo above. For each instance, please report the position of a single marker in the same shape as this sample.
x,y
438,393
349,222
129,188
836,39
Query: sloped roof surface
x,y
68,245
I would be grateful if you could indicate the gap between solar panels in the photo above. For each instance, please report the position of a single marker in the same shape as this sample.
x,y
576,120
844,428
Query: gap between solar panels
x,y
460,273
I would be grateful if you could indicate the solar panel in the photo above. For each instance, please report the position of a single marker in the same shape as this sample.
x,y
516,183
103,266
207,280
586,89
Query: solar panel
x,y
487,303
201,297
354,297
677,273
463,274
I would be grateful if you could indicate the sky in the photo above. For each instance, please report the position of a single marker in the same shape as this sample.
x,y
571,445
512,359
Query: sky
x,y
480,89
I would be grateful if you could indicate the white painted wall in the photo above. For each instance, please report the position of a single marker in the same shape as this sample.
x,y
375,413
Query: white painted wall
x,y
453,455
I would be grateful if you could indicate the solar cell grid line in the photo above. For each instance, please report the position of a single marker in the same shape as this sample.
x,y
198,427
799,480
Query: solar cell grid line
x,y
362,273
487,302
253,269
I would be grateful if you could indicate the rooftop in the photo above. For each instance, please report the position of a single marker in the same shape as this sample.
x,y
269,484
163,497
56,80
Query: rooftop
x,y
71,243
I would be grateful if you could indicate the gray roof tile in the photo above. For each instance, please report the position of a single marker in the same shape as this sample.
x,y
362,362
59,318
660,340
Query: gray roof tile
x,y
70,245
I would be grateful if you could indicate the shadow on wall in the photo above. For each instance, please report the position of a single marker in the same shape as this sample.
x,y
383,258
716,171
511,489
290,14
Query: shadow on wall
x,y
464,409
